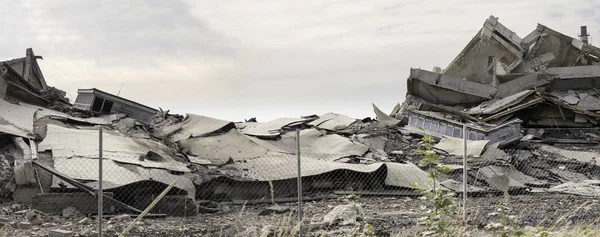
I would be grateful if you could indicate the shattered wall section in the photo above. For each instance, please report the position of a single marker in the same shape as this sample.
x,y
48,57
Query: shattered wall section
x,y
494,47
545,43
443,89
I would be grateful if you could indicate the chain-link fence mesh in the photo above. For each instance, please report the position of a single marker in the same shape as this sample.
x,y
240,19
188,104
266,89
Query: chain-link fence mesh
x,y
242,192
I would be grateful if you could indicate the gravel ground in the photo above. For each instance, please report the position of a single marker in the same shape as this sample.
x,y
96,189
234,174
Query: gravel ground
x,y
386,214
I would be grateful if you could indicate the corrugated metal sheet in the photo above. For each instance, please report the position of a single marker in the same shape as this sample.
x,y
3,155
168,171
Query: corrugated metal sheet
x,y
283,166
220,148
517,179
582,156
192,126
69,142
102,120
116,175
269,129
585,188
317,144
333,121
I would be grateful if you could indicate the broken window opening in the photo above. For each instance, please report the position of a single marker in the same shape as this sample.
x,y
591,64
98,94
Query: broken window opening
x,y
97,105
102,105
107,107
510,42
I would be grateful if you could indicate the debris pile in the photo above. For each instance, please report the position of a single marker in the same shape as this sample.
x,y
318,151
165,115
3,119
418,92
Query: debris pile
x,y
530,107
536,97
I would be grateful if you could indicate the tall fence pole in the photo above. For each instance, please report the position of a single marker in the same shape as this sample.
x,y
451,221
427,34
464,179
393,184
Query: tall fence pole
x,y
465,173
100,192
299,181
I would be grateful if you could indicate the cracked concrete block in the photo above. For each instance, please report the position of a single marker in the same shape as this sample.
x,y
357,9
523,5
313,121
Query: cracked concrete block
x,y
3,87
61,233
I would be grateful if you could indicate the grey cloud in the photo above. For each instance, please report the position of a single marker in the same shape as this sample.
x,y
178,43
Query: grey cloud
x,y
133,31
16,34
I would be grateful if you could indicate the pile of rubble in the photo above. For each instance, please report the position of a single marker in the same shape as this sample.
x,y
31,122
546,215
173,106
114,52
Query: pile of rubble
x,y
525,103
50,150
536,97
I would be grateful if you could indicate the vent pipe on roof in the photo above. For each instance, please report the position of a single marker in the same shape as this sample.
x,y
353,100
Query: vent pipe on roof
x,y
583,36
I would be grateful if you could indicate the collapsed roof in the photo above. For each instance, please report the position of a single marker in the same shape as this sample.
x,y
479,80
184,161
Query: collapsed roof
x,y
546,79
497,85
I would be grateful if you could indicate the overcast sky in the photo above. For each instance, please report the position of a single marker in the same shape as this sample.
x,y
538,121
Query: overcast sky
x,y
264,59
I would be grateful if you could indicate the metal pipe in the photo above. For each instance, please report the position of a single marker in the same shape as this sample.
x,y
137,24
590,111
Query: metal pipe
x,y
465,173
299,181
145,212
100,192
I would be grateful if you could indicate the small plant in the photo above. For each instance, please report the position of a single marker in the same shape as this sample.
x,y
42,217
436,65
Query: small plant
x,y
507,225
348,198
441,215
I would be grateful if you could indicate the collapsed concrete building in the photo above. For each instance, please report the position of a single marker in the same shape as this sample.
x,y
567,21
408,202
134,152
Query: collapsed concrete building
x,y
537,97
525,101
49,151
546,79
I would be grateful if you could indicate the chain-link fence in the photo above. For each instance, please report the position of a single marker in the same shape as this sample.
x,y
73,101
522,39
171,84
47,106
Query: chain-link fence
x,y
542,183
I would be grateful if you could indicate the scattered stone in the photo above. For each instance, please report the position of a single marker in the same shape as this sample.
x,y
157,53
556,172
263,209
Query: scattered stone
x,y
24,225
86,232
396,152
250,231
68,225
37,221
124,217
35,217
345,214
70,212
84,221
61,233
21,212
47,225
274,210
58,220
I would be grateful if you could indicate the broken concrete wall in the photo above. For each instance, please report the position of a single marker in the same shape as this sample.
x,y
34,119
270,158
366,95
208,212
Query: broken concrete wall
x,y
28,68
24,174
580,77
3,88
442,89
493,45
525,82
545,41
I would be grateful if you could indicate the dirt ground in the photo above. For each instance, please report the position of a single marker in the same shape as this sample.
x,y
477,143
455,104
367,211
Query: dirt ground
x,y
388,215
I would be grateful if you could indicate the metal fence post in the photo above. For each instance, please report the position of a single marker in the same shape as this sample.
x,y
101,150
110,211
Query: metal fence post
x,y
465,173
100,192
299,181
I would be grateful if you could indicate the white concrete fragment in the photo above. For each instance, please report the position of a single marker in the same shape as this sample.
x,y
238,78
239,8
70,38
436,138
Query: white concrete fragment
x,y
219,149
333,121
384,118
454,146
192,126
23,167
69,142
271,129
345,214
15,119
585,188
